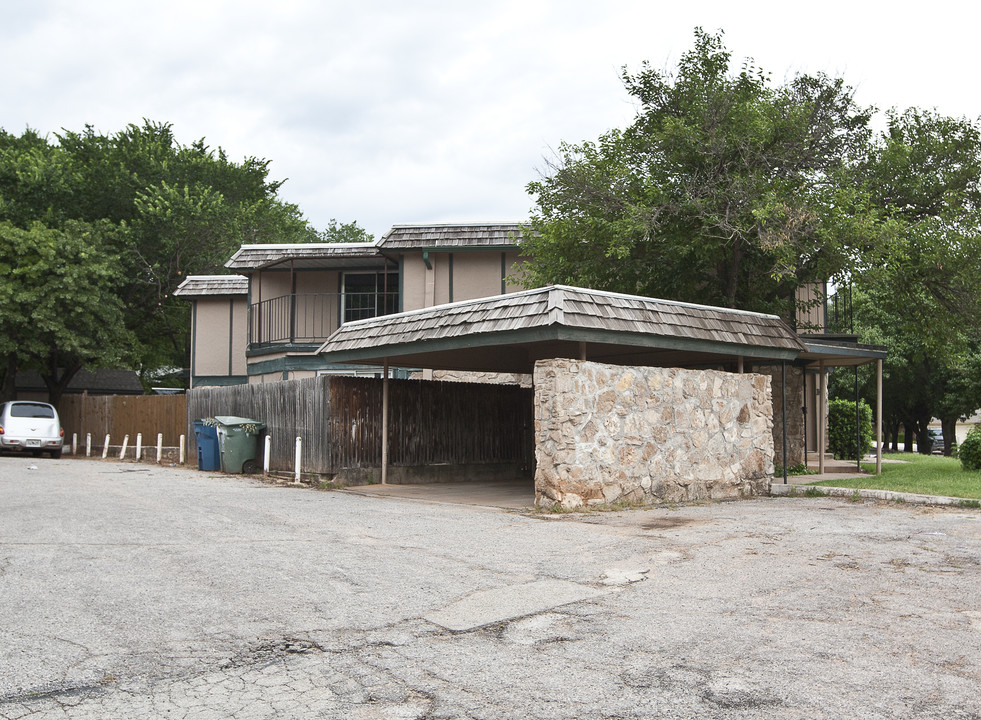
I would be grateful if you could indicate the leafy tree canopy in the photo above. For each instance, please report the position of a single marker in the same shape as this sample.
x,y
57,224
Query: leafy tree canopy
x,y
154,209
726,189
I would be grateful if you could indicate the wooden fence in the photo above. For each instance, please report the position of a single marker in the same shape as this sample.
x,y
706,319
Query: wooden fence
x,y
120,415
290,409
339,419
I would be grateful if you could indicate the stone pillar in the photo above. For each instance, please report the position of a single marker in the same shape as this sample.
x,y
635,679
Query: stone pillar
x,y
795,418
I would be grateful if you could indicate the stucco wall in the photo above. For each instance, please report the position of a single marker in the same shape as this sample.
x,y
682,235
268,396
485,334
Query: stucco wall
x,y
219,332
607,433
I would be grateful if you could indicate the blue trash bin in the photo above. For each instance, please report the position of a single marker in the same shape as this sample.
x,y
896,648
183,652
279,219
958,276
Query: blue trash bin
x,y
209,458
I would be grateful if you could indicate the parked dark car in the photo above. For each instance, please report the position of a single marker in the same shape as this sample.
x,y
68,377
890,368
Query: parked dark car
x,y
27,426
937,441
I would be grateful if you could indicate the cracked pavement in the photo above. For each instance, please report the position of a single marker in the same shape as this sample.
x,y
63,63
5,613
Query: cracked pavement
x,y
138,591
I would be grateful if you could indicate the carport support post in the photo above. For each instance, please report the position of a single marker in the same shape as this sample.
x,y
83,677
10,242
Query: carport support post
x,y
783,410
821,427
384,477
878,417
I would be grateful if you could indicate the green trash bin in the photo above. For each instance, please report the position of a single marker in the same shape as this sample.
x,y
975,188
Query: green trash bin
x,y
238,443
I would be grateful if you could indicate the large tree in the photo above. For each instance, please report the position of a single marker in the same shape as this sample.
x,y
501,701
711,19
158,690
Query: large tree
x,y
923,302
726,189
173,210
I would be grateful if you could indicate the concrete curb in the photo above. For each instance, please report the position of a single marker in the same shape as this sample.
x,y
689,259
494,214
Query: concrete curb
x,y
781,490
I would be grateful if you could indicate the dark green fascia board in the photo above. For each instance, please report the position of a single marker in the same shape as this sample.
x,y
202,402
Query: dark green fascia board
x,y
872,352
274,349
218,380
557,332
294,362
455,249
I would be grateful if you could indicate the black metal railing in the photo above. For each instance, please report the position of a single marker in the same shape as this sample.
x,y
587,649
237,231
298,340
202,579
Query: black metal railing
x,y
312,317
840,316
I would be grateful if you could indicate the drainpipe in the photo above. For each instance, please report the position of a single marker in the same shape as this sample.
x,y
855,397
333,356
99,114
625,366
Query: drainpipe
x,y
878,417
384,468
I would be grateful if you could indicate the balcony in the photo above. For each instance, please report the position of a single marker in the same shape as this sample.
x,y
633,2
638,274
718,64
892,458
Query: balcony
x,y
309,318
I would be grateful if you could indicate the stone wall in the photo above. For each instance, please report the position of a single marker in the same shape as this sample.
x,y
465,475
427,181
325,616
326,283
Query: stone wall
x,y
607,433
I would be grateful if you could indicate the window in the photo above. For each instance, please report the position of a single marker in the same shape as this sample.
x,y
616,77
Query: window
x,y
368,295
31,410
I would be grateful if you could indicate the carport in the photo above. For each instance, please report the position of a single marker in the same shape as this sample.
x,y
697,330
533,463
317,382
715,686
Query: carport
x,y
509,333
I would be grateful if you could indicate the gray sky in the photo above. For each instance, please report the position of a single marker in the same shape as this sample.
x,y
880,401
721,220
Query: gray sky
x,y
399,111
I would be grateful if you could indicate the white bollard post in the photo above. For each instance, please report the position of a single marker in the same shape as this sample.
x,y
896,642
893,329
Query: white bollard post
x,y
139,446
180,452
122,453
105,447
74,443
88,444
296,461
160,447
267,449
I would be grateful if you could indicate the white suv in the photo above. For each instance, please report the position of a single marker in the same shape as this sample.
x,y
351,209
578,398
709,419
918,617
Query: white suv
x,y
31,426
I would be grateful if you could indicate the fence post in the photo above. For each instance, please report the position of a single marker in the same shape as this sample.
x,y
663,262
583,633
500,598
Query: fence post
x,y
88,444
180,453
160,447
122,453
265,454
296,460
105,447
139,446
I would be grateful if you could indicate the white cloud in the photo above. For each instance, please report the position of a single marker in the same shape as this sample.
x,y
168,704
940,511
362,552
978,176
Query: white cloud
x,y
388,111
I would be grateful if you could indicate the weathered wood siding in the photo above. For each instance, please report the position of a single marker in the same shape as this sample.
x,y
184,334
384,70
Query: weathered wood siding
x,y
339,419
291,409
120,415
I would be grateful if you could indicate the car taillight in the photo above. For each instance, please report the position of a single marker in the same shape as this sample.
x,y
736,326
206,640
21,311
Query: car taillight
x,y
62,433
1,429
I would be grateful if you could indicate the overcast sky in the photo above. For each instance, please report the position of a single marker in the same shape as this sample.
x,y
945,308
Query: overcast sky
x,y
399,111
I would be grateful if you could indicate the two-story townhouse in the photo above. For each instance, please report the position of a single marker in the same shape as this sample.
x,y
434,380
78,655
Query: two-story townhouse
x,y
289,298
268,323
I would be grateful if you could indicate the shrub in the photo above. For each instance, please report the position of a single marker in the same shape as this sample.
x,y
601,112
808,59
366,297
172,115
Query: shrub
x,y
843,441
970,450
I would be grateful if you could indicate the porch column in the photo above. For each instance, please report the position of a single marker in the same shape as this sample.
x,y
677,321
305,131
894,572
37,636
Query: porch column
x,y
384,469
820,425
878,417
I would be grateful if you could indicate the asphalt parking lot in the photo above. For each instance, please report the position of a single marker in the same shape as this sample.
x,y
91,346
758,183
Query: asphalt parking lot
x,y
136,591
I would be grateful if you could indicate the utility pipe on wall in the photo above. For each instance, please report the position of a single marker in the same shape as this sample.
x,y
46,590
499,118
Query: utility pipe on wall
x,y
88,444
160,447
384,469
105,447
265,454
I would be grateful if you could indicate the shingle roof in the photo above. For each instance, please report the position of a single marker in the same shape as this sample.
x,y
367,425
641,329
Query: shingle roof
x,y
195,285
560,313
95,382
432,237
252,257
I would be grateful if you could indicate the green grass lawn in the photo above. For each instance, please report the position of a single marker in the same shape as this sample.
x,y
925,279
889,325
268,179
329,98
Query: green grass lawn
x,y
923,474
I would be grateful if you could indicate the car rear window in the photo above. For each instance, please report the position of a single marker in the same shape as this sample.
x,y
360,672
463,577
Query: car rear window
x,y
31,410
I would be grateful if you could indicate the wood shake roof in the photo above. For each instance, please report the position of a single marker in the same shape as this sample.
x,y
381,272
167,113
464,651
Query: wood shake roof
x,y
253,257
613,325
435,237
194,285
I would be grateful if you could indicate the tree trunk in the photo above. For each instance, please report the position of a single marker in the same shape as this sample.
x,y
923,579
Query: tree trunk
x,y
8,388
909,433
57,379
948,426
